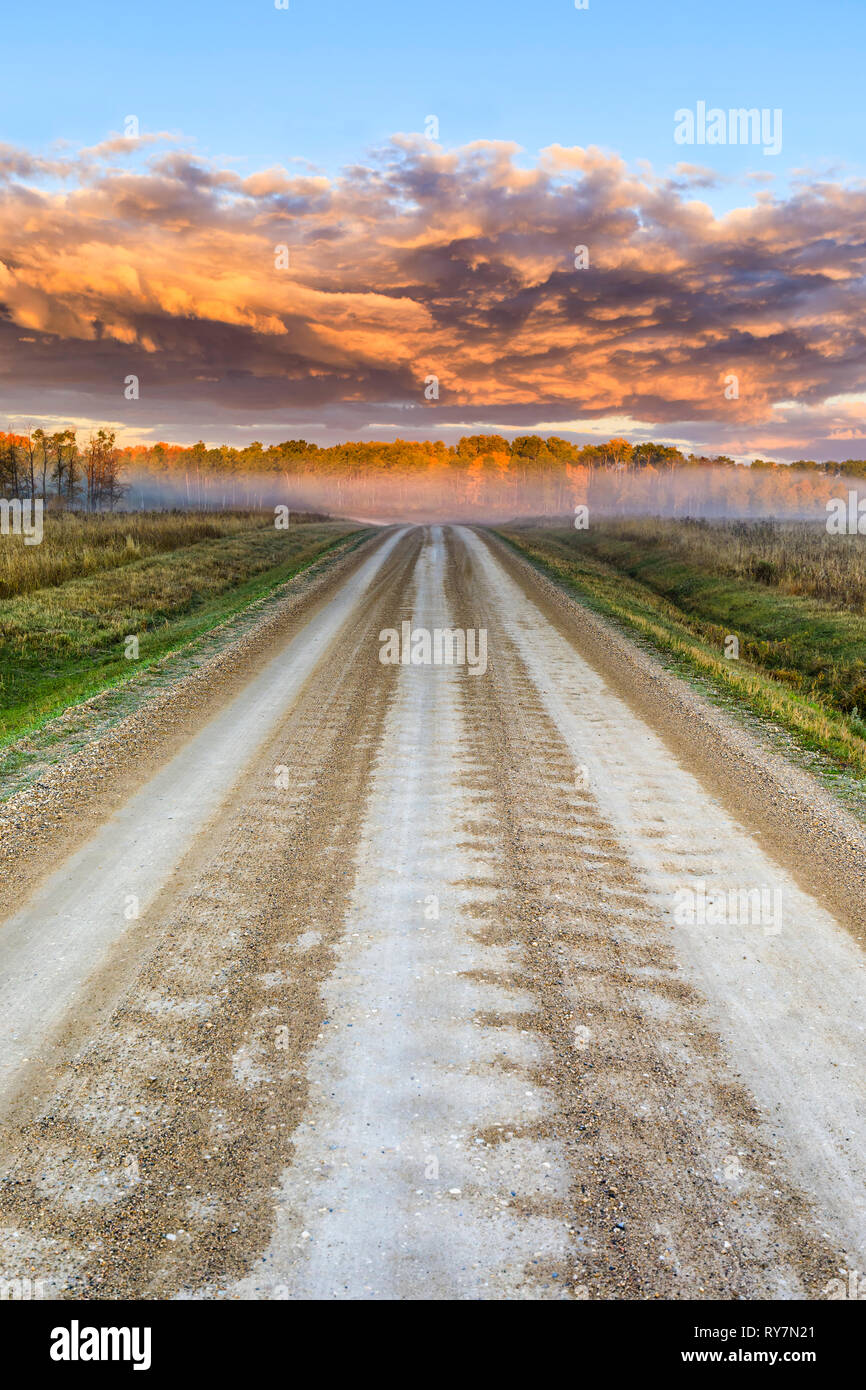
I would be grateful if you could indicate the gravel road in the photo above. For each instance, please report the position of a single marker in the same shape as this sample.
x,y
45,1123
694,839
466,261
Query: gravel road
x,y
509,979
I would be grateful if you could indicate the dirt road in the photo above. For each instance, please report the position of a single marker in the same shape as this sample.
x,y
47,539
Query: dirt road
x,y
435,981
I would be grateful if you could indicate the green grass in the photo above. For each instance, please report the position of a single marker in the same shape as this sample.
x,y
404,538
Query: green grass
x,y
63,644
801,662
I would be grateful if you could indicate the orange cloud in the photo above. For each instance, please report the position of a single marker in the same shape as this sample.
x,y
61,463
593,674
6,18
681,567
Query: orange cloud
x,y
454,263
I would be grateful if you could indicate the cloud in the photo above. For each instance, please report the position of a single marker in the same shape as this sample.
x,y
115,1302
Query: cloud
x,y
420,261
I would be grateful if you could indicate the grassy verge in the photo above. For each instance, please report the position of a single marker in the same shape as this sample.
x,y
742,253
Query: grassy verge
x,y
78,544
800,663
63,644
791,557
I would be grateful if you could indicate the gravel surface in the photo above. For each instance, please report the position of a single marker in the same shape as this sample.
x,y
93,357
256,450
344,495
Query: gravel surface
x,y
412,1017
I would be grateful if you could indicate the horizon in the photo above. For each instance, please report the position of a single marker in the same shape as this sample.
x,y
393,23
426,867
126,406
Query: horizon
x,y
612,452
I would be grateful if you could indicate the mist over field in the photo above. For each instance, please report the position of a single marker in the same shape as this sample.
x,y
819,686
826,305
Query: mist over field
x,y
453,494
482,477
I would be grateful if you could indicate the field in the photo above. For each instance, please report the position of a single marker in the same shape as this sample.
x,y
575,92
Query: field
x,y
68,605
794,557
794,597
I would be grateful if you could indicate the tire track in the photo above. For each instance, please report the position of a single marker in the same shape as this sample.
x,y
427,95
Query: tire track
x,y
651,1116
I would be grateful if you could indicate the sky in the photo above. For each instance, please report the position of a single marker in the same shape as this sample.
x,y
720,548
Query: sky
x,y
431,170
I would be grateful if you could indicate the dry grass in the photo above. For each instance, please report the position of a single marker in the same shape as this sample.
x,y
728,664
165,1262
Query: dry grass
x,y
792,556
76,545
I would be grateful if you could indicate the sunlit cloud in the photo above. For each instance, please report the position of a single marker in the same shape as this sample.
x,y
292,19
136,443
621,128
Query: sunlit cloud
x,y
460,264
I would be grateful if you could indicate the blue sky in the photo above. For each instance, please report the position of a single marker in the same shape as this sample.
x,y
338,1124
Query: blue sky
x,y
328,79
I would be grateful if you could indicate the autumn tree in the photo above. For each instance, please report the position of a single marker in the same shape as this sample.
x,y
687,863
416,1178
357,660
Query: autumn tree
x,y
102,470
66,474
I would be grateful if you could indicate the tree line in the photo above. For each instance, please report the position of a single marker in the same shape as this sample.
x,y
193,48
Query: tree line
x,y
524,456
55,466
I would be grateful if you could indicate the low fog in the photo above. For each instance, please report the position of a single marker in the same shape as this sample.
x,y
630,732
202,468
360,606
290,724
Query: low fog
x,y
479,495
